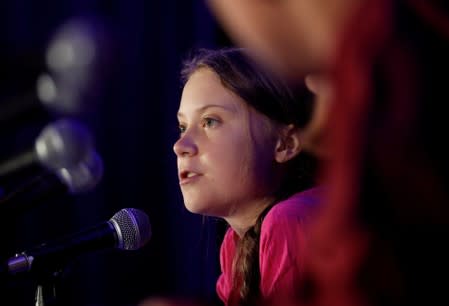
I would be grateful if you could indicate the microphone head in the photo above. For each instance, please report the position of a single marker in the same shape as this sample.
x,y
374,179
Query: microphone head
x,y
77,58
133,228
83,176
63,143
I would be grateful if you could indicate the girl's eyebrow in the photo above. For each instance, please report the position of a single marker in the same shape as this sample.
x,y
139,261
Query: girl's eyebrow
x,y
226,108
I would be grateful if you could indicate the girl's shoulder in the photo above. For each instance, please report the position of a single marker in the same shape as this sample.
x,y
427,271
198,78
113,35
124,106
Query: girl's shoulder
x,y
297,207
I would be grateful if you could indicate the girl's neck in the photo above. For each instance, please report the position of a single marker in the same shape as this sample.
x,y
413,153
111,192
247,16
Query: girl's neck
x,y
242,220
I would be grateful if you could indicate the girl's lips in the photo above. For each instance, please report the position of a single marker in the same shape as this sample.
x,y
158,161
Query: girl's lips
x,y
186,177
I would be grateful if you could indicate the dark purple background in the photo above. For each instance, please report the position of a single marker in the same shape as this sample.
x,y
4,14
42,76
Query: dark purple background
x,y
134,125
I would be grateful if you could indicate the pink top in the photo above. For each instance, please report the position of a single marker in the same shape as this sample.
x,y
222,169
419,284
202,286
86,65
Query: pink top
x,y
282,244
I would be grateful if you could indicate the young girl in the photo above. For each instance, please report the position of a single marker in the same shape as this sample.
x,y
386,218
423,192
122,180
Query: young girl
x,y
240,158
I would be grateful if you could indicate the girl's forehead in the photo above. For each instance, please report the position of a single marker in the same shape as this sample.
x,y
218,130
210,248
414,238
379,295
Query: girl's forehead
x,y
204,88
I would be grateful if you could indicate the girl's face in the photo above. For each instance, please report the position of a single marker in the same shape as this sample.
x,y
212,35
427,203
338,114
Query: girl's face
x,y
225,149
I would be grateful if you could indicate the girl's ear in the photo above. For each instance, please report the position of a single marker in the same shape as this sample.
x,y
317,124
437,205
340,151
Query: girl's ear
x,y
288,144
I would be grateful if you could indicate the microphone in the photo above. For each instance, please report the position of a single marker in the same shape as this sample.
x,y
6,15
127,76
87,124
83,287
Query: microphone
x,y
61,144
76,179
128,229
75,61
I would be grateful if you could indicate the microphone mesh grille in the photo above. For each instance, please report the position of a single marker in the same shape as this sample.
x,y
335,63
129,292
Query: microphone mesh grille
x,y
134,226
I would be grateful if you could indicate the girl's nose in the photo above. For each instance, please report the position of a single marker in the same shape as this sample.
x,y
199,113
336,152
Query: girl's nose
x,y
185,146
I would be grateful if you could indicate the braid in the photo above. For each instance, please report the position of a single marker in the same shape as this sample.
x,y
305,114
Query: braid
x,y
246,264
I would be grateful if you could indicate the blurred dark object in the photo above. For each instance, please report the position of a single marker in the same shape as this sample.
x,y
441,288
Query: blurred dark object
x,y
67,79
379,240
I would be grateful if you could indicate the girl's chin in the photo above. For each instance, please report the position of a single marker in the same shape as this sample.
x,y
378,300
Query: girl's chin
x,y
197,208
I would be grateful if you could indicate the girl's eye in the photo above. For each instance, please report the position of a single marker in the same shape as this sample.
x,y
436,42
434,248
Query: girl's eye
x,y
210,122
181,128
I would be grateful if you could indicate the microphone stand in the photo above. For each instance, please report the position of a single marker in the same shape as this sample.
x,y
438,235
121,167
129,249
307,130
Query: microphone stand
x,y
46,293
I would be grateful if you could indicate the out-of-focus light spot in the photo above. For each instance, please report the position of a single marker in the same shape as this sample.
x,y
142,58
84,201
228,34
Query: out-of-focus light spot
x,y
72,48
41,148
46,88
65,174
61,55
57,142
